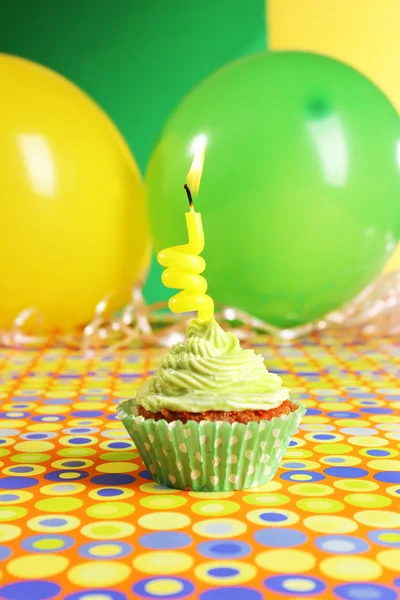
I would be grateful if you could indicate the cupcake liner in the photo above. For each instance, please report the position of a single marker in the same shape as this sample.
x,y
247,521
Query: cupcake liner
x,y
210,456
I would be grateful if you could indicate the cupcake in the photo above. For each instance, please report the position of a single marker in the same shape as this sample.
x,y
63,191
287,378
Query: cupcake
x,y
212,417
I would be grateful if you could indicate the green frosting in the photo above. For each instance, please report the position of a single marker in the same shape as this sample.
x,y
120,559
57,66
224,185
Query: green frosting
x,y
210,371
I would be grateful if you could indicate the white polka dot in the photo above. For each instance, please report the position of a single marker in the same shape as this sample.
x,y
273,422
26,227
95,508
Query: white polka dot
x,y
216,460
217,442
250,470
172,478
284,417
172,425
187,433
277,443
202,440
279,453
263,444
248,435
233,440
267,470
262,426
182,448
255,484
264,457
199,456
276,432
248,454
232,459
147,446
152,469
179,466
233,478
151,438
195,474
214,479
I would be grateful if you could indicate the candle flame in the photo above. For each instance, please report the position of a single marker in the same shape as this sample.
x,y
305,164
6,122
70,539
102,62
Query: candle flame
x,y
196,169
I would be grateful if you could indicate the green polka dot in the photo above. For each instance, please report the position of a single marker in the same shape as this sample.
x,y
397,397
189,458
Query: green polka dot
x,y
119,456
76,452
28,457
391,538
48,544
59,504
4,452
11,513
368,500
320,505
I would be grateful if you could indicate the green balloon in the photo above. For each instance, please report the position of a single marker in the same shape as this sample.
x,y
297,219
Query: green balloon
x,y
300,194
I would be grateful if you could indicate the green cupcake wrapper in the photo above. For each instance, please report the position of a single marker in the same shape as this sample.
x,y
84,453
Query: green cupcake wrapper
x,y
210,456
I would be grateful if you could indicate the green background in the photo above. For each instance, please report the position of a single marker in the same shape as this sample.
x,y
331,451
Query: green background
x,y
136,59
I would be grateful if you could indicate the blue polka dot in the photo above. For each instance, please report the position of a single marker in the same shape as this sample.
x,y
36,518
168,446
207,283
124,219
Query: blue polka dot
x,y
226,550
281,585
388,476
364,591
334,459
79,440
34,590
187,588
323,436
58,401
113,479
57,475
341,544
165,540
108,493
89,550
8,497
4,552
106,594
375,536
74,463
292,476
377,410
273,517
311,412
223,572
29,542
53,522
36,436
17,483
21,469
377,452
280,537
341,414
145,475
231,593
346,472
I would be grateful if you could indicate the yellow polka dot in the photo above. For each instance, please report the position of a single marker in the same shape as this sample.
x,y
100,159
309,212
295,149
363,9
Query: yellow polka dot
x,y
110,510
22,497
306,465
34,446
208,495
356,485
350,422
301,477
320,505
393,490
11,424
384,465
155,488
108,530
163,562
9,532
330,524
98,573
45,427
278,560
12,513
266,499
117,467
215,509
36,523
380,519
163,502
164,521
59,505
163,587
351,568
35,567
52,409
369,441
89,405
390,559
310,489
384,419
333,448
105,550
298,453
244,572
368,500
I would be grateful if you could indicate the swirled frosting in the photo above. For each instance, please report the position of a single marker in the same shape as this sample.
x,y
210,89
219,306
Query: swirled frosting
x,y
210,371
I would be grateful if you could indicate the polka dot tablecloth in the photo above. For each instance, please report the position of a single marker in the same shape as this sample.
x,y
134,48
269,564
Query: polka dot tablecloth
x,y
81,518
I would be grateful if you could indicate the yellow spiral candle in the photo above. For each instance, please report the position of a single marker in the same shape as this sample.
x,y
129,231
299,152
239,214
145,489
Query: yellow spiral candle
x,y
184,266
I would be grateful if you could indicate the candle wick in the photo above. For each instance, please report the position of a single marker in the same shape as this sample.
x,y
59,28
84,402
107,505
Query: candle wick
x,y
189,195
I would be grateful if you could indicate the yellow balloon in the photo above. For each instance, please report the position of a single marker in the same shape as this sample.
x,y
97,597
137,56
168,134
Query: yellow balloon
x,y
73,222
362,33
